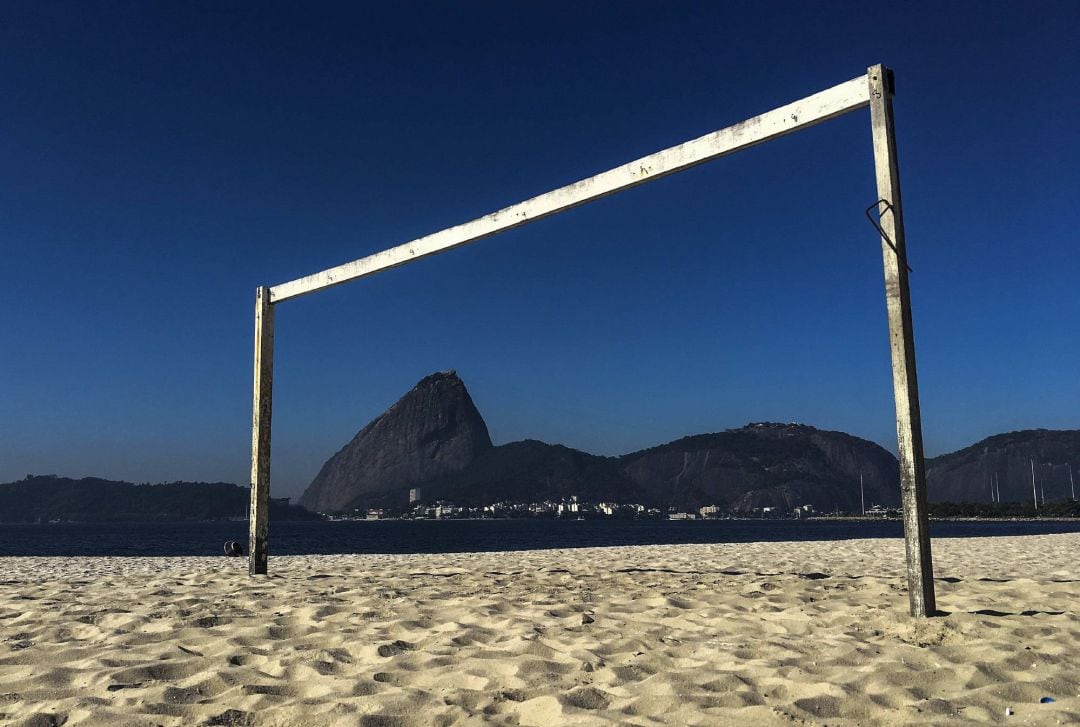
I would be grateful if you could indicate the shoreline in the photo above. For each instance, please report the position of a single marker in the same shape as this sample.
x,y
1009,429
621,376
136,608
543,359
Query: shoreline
x,y
957,519
814,518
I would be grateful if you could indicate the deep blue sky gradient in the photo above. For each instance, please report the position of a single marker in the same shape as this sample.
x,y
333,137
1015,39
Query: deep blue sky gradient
x,y
159,161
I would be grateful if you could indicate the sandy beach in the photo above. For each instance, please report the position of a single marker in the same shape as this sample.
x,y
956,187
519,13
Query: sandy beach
x,y
730,634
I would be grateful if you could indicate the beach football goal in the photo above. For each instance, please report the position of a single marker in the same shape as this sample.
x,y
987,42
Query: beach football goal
x,y
874,89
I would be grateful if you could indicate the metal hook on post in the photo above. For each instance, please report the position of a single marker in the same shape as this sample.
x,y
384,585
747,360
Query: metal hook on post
x,y
888,241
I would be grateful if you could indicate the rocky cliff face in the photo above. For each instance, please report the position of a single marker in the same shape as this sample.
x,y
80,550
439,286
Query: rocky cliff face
x,y
767,465
965,476
432,431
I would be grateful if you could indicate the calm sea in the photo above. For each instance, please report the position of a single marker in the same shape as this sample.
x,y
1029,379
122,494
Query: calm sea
x,y
390,536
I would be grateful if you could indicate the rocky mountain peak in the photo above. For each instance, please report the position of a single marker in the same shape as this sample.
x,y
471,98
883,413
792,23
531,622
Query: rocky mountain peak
x,y
432,431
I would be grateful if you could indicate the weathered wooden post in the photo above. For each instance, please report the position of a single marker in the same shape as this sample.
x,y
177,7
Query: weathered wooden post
x,y
920,568
262,406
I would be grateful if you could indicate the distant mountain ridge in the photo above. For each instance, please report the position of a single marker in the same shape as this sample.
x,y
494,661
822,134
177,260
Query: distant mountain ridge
x,y
92,499
1006,459
434,439
449,456
768,465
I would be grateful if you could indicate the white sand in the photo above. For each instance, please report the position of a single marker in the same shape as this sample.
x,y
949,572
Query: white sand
x,y
734,634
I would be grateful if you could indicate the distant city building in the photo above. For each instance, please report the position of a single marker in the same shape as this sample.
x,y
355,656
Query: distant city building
x,y
414,495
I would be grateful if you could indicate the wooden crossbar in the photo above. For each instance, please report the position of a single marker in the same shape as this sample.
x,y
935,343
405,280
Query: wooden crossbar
x,y
827,104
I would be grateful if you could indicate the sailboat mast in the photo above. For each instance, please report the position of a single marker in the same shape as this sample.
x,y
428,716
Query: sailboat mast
x,y
1034,492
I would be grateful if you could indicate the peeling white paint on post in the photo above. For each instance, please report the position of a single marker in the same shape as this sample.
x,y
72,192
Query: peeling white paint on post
x,y
920,569
779,122
262,407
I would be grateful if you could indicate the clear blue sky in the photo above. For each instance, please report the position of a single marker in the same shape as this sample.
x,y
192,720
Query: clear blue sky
x,y
158,161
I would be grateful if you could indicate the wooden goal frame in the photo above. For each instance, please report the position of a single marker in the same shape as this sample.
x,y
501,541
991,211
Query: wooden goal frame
x,y
874,89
